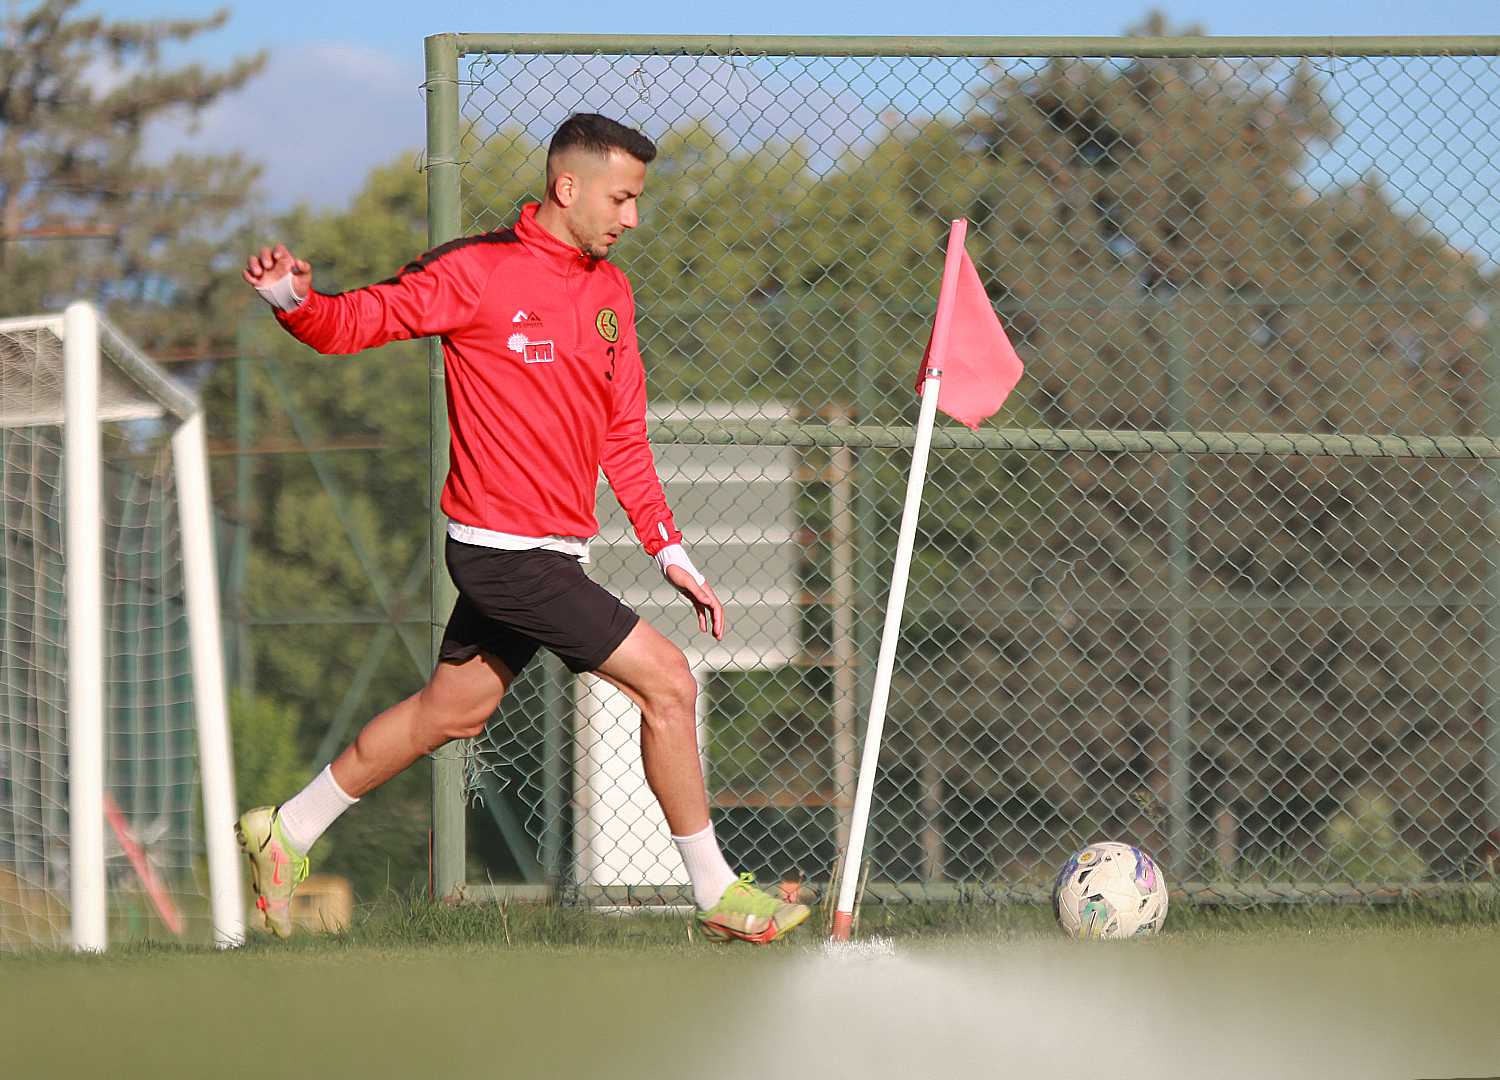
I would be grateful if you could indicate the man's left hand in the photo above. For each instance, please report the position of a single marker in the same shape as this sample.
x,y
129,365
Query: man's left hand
x,y
710,611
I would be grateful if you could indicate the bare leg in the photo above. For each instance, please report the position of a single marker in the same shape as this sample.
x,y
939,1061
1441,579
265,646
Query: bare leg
x,y
455,704
654,673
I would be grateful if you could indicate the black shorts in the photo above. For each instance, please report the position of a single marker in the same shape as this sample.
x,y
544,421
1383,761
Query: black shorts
x,y
512,603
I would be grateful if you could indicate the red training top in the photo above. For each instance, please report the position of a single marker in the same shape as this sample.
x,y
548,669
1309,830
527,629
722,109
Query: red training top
x,y
545,383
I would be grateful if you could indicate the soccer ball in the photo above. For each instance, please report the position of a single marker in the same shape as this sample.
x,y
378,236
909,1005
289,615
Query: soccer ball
x,y
1109,890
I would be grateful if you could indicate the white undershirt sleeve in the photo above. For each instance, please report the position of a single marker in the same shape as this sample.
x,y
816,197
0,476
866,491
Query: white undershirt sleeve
x,y
676,555
281,294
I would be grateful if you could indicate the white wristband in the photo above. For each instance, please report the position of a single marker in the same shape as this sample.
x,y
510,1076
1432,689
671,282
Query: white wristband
x,y
280,294
676,555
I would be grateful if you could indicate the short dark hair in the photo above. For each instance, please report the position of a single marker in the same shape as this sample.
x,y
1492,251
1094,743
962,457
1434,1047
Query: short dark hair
x,y
599,135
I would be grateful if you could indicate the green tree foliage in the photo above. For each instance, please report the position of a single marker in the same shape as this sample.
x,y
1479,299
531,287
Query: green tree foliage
x,y
83,214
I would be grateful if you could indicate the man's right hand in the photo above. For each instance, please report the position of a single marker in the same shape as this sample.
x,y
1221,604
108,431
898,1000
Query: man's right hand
x,y
271,265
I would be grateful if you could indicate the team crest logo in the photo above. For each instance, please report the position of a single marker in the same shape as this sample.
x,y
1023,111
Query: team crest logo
x,y
608,324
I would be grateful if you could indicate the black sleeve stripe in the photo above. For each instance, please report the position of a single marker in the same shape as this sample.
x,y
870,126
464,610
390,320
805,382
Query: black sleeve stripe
x,y
500,236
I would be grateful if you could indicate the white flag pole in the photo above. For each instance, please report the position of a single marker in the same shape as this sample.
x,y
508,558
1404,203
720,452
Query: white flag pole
x,y
843,912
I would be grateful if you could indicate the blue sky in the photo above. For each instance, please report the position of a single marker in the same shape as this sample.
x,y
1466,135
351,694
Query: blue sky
x,y
398,28
340,94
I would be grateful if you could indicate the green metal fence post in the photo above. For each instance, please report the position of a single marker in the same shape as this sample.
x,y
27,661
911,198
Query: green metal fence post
x,y
867,521
556,762
1491,598
444,223
1179,635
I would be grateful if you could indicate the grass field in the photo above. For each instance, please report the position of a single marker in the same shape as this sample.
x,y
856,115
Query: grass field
x,y
481,991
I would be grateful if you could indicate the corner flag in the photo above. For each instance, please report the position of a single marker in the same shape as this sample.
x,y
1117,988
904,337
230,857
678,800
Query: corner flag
x,y
968,370
968,348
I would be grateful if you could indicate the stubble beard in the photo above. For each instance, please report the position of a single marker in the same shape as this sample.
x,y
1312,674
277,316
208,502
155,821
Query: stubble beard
x,y
596,250
591,246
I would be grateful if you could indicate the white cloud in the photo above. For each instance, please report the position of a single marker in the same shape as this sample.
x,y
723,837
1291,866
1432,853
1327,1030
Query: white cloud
x,y
318,119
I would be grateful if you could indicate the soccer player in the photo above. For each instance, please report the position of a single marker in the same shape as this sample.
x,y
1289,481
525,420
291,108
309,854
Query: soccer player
x,y
545,387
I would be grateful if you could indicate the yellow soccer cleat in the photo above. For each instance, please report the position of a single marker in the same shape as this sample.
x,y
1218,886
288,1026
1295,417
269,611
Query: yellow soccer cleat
x,y
746,913
275,866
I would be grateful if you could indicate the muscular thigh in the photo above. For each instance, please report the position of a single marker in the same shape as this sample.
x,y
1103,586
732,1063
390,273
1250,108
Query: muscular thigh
x,y
648,667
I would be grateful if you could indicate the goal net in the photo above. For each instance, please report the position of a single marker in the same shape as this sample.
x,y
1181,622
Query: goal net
x,y
116,802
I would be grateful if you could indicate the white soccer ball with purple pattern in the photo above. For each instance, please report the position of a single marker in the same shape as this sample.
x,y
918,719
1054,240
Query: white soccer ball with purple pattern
x,y
1109,890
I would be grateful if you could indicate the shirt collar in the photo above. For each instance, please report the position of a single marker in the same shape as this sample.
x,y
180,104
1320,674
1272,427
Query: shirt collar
x,y
533,235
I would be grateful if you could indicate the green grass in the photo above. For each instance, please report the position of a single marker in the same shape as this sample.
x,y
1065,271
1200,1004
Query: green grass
x,y
410,923
417,989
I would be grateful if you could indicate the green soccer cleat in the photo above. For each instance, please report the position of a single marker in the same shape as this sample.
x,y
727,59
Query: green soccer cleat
x,y
745,913
277,869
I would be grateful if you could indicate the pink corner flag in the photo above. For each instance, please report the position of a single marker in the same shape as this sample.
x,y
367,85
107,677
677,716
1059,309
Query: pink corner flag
x,y
968,349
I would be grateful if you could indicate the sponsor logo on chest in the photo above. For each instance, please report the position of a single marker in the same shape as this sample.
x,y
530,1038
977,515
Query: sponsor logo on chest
x,y
532,351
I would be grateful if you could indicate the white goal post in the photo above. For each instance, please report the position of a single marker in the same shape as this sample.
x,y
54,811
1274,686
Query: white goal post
x,y
75,372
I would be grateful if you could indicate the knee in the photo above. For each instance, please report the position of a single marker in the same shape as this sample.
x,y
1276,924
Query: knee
x,y
681,688
466,726
674,700
443,726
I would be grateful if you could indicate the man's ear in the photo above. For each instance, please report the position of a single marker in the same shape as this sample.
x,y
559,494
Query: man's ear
x,y
565,188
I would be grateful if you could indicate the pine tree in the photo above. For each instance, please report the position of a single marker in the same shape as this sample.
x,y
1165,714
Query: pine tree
x,y
83,213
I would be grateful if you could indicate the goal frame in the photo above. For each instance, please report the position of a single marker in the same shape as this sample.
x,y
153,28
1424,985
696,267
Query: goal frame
x,y
84,334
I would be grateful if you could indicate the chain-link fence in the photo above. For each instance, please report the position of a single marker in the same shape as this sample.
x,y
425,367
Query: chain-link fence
x,y
1220,580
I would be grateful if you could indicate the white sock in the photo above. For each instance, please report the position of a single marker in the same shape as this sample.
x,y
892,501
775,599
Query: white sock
x,y
706,867
306,815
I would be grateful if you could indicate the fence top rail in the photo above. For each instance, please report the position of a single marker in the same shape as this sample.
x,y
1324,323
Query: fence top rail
x,y
707,431
1124,47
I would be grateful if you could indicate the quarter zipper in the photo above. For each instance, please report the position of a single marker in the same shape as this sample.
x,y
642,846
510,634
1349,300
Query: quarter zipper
x,y
573,294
